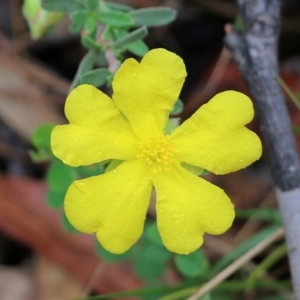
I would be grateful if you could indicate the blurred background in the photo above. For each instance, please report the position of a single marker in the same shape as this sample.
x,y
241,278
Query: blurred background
x,y
39,259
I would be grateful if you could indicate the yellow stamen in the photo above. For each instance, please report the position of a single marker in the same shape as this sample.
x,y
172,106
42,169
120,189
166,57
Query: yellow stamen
x,y
157,151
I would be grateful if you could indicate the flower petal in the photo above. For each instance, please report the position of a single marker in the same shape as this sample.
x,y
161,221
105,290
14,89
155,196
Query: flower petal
x,y
215,138
97,131
113,205
187,206
147,92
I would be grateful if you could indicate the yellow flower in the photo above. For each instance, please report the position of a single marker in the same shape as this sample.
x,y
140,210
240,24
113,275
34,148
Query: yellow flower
x,y
131,128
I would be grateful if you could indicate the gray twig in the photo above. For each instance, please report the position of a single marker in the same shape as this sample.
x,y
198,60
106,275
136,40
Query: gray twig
x,y
255,52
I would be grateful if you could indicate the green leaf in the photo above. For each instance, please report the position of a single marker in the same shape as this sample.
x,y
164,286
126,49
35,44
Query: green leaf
x,y
41,136
60,176
178,107
192,265
296,129
95,77
116,6
78,19
266,214
171,125
138,48
92,4
113,164
110,257
90,25
40,155
154,16
89,43
131,37
193,169
88,171
141,292
67,225
289,92
241,249
262,268
150,261
152,234
115,18
238,23
75,27
55,199
62,5
92,58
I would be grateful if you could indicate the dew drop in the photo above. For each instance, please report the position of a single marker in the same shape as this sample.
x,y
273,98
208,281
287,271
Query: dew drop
x,y
175,216
76,139
81,183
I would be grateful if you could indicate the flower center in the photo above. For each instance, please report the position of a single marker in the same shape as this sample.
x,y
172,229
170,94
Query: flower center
x,y
157,152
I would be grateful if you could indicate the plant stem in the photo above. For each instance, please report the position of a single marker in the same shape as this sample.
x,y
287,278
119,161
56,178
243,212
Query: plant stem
x,y
255,52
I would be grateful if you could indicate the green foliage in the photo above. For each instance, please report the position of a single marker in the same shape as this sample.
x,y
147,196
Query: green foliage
x,y
194,169
40,139
243,248
89,43
131,37
138,48
92,4
60,176
90,25
265,214
261,269
289,92
118,7
62,5
150,261
41,136
67,225
113,164
152,234
154,16
178,107
238,23
78,19
115,18
171,125
96,77
192,265
110,257
55,198
92,58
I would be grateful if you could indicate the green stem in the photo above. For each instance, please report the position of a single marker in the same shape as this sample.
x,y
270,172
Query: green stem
x,y
268,262
289,92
